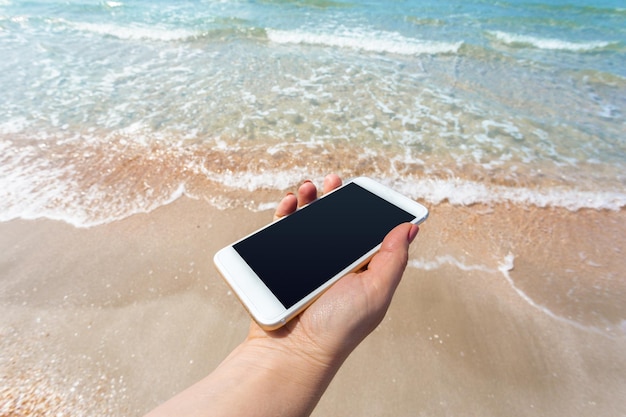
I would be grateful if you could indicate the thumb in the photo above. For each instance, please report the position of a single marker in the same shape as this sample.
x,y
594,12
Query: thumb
x,y
385,270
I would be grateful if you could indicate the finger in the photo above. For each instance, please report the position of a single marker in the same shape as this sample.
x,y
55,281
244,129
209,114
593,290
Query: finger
x,y
387,266
331,182
286,206
307,193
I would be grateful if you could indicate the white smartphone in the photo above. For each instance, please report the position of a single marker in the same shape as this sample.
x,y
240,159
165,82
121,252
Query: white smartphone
x,y
282,268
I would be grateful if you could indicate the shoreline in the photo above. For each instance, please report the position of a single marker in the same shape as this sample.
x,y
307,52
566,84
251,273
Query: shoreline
x,y
119,178
91,314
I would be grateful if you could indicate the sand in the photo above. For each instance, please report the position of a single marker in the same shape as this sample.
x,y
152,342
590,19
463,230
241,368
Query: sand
x,y
502,311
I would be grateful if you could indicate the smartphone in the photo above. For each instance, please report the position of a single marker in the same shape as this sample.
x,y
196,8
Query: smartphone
x,y
282,268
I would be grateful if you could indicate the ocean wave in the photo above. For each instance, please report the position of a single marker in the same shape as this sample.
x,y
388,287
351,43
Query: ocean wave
x,y
220,32
436,191
31,188
371,41
606,11
131,32
514,39
104,179
58,200
465,193
113,4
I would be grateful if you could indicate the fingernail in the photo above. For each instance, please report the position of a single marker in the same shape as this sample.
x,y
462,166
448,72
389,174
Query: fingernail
x,y
289,193
305,181
413,233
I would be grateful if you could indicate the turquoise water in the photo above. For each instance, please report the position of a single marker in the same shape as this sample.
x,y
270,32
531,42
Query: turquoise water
x,y
114,107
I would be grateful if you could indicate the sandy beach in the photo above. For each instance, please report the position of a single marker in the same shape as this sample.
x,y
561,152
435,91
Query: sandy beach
x,y
502,311
138,138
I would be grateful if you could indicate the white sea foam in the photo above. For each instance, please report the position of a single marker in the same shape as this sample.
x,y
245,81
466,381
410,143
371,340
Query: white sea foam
x,y
440,261
31,191
547,43
26,195
14,125
250,181
136,32
374,41
455,191
462,192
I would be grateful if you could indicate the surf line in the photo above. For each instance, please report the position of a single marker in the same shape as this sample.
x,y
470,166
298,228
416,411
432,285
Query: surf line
x,y
504,267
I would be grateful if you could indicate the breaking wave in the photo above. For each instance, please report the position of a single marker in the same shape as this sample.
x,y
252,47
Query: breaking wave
x,y
514,39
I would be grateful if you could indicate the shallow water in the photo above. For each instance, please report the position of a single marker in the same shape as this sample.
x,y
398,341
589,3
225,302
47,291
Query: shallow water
x,y
116,108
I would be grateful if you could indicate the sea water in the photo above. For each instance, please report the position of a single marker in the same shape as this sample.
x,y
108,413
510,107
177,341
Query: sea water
x,y
109,108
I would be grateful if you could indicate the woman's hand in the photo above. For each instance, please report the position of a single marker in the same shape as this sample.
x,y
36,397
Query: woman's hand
x,y
329,329
286,371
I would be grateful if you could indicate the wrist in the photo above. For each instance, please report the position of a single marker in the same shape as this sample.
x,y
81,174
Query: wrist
x,y
296,361
260,369
259,377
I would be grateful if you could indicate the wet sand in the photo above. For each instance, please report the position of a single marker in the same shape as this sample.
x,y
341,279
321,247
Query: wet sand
x,y
502,311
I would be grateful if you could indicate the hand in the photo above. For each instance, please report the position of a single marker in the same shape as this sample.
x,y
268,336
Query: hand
x,y
286,371
347,312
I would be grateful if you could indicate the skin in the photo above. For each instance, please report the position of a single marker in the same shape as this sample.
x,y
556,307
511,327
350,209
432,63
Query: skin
x,y
285,372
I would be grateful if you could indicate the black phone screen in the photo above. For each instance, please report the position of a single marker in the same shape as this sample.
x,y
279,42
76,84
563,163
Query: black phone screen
x,y
298,254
